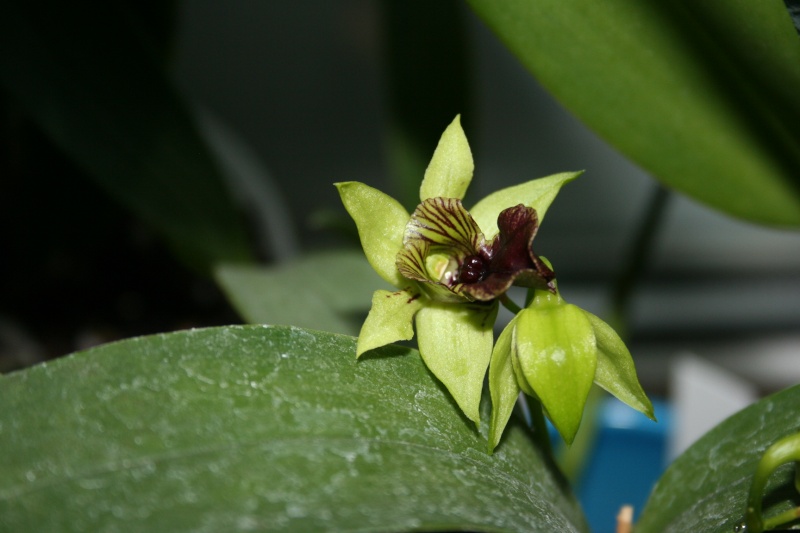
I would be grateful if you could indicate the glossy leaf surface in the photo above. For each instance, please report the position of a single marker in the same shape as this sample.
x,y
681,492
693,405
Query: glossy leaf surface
x,y
706,488
703,95
258,429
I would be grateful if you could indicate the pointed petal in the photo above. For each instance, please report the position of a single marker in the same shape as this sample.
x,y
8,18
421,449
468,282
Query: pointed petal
x,y
381,222
450,170
389,319
502,386
555,347
616,372
455,341
538,194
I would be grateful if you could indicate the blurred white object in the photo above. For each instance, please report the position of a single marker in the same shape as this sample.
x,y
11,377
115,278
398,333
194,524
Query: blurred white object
x,y
703,395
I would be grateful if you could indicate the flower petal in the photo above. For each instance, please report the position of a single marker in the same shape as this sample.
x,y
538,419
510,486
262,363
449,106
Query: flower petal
x,y
616,372
439,235
450,170
538,194
455,341
502,386
444,222
381,222
389,319
555,347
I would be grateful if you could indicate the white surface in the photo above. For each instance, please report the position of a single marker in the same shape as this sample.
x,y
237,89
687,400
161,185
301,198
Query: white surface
x,y
703,395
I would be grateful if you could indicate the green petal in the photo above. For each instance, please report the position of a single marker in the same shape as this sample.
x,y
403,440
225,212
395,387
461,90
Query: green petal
x,y
616,372
538,194
502,385
450,170
455,341
381,222
389,319
555,347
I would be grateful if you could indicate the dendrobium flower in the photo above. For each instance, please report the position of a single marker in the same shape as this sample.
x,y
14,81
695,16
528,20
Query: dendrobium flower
x,y
449,265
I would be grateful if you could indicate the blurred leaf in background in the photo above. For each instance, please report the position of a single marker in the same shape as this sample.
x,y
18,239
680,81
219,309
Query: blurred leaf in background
x,y
328,291
703,95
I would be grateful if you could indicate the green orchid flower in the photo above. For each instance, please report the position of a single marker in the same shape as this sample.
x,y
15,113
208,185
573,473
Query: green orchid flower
x,y
449,265
553,351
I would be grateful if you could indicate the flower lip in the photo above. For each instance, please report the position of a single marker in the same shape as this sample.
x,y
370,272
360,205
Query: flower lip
x,y
473,269
445,249
513,261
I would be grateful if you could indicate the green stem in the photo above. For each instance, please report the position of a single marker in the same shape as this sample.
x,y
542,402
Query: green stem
x,y
638,256
509,304
538,425
781,519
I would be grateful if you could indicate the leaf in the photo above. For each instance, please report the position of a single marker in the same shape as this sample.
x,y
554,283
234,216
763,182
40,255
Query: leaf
x,y
703,95
381,222
706,488
88,79
329,291
253,429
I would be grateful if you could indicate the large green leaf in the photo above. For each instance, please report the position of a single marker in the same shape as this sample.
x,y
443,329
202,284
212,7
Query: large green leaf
x,y
329,291
702,94
88,76
706,488
256,428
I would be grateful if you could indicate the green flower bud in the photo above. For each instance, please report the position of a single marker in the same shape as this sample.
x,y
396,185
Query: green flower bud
x,y
553,351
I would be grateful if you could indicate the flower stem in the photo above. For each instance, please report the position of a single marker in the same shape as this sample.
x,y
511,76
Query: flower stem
x,y
509,304
538,424
640,250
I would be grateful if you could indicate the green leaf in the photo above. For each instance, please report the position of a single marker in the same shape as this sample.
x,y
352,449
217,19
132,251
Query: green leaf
x,y
502,386
450,171
538,194
555,348
258,429
88,79
616,372
389,319
706,488
329,291
703,95
381,222
455,341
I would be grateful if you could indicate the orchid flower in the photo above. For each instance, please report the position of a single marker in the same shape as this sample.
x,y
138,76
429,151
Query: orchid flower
x,y
449,265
